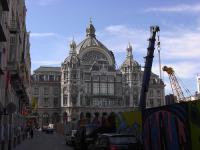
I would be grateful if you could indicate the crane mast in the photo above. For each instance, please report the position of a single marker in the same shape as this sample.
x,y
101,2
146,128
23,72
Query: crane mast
x,y
176,88
148,66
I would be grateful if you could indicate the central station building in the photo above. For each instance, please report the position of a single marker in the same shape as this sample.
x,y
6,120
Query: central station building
x,y
91,83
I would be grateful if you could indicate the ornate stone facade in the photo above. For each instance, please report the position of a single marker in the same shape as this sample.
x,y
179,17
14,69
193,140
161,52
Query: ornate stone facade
x,y
46,94
91,83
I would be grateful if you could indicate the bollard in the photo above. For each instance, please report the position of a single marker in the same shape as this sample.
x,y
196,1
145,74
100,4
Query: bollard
x,y
14,142
9,144
18,139
2,145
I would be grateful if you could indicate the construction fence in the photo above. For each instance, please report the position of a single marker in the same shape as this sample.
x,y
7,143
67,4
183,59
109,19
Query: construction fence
x,y
171,127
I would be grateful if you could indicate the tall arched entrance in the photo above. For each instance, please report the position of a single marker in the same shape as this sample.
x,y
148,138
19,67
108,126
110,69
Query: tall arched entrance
x,y
55,118
65,117
45,119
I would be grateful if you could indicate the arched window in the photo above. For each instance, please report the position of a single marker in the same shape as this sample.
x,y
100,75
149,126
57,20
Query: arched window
x,y
65,117
55,118
45,118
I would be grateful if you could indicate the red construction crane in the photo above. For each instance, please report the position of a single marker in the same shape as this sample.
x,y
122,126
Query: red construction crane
x,y
176,88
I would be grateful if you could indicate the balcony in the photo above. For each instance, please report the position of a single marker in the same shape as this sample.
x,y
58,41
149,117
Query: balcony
x,y
18,85
3,33
13,68
1,71
13,26
5,5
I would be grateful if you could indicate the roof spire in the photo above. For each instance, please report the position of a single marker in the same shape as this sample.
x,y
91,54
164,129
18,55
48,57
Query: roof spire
x,y
90,20
90,31
73,47
129,51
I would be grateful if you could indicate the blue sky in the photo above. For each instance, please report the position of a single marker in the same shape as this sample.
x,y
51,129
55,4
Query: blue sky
x,y
53,24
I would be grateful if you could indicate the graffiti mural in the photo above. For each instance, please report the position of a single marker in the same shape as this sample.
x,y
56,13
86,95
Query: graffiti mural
x,y
129,122
166,128
194,120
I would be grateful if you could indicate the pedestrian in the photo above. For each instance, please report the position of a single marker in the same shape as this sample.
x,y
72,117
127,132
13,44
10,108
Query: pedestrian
x,y
31,132
82,138
28,132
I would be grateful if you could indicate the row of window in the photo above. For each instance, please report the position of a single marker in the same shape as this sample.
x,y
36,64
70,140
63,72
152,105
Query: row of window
x,y
103,78
154,102
128,68
102,102
13,45
46,102
134,76
73,75
156,93
105,103
103,88
46,91
42,77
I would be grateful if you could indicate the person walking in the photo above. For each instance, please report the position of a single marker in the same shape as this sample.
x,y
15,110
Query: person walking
x,y
31,132
28,132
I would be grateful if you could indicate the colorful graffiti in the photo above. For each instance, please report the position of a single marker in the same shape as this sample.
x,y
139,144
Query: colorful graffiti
x,y
194,120
171,127
166,128
130,123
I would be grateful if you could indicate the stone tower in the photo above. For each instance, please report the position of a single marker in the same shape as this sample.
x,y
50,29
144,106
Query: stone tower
x,y
70,89
132,72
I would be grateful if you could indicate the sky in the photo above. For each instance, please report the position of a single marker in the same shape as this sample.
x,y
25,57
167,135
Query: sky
x,y
54,23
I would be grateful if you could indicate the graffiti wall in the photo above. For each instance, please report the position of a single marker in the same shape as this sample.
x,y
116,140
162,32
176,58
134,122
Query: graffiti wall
x,y
129,122
166,128
171,127
194,120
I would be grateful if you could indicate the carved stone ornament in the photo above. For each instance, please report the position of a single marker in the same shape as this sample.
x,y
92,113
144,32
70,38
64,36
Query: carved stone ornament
x,y
74,93
92,56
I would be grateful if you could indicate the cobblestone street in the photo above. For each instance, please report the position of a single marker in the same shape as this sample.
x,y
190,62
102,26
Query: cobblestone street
x,y
43,141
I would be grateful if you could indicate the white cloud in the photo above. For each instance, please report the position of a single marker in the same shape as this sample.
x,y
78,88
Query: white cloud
x,y
178,8
42,34
181,44
177,44
123,30
117,37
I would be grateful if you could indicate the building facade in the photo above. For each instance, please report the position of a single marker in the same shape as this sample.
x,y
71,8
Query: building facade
x,y
15,64
91,83
46,94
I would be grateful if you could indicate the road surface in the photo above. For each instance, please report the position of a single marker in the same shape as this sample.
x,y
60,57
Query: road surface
x,y
43,141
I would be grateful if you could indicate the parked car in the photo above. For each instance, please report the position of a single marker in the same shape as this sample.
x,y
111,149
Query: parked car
x,y
50,128
85,136
70,137
44,128
112,141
